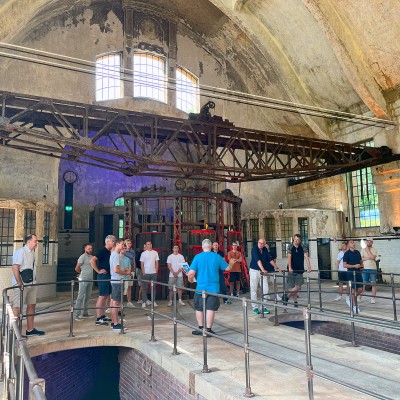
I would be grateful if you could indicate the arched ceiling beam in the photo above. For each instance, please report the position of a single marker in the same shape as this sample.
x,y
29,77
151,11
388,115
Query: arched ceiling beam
x,y
17,13
348,53
273,51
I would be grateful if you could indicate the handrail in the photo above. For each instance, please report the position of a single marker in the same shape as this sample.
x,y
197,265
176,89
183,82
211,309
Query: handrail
x,y
11,332
16,359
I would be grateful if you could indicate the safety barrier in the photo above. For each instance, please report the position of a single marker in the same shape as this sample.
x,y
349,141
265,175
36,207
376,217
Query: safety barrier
x,y
16,356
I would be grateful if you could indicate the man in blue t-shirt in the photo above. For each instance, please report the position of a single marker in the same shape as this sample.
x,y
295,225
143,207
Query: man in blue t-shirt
x,y
352,260
205,267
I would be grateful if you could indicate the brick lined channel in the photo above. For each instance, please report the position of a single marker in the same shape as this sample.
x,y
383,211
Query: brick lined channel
x,y
112,373
376,339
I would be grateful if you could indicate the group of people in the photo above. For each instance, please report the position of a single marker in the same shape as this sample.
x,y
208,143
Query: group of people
x,y
262,264
116,264
358,267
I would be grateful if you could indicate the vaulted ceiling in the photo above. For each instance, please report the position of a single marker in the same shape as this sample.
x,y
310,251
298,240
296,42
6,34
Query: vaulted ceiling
x,y
334,54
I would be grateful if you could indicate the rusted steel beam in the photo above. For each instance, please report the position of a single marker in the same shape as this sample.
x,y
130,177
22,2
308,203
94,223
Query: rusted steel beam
x,y
152,145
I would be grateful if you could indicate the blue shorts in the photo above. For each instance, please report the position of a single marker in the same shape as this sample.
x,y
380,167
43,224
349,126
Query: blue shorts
x,y
342,275
369,275
358,281
104,284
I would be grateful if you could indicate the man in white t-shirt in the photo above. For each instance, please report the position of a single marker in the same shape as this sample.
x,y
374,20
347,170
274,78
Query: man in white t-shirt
x,y
342,271
369,255
24,260
149,263
174,262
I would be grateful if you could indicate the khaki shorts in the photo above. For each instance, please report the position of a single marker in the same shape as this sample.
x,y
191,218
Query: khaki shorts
x,y
29,296
128,284
294,279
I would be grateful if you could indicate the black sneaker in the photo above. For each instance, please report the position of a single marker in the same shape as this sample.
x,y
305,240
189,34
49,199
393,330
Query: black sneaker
x,y
35,332
285,299
118,327
106,319
296,304
209,330
101,321
199,332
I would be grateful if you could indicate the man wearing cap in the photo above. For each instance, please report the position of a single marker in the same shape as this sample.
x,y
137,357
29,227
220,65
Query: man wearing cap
x,y
369,255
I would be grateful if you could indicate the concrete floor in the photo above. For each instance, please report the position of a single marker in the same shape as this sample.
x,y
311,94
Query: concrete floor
x,y
277,356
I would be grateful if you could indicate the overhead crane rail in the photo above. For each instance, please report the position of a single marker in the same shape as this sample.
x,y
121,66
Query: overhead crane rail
x,y
153,145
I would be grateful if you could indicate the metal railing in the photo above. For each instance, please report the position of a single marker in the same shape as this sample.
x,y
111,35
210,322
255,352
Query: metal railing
x,y
16,356
16,359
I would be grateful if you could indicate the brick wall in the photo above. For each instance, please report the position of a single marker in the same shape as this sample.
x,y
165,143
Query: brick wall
x,y
376,339
110,373
88,373
142,379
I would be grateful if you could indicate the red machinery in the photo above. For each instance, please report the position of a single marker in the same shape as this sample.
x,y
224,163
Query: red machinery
x,y
182,217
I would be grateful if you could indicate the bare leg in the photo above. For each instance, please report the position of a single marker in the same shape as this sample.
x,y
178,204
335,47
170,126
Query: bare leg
x,y
30,309
340,290
101,301
237,288
210,316
114,311
180,294
231,287
373,289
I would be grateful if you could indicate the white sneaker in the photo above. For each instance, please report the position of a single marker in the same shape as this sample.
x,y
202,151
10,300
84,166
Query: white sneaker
x,y
155,304
356,310
169,303
278,298
338,298
143,305
129,304
181,303
148,303
348,301
373,301
140,301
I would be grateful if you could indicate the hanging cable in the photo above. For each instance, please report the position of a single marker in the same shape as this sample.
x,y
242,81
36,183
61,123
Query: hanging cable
x,y
90,67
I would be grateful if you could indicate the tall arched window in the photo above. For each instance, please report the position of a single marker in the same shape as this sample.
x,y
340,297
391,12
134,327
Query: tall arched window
x,y
149,76
108,77
187,91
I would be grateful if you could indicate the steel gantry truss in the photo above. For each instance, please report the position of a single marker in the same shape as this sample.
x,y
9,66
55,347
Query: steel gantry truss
x,y
146,144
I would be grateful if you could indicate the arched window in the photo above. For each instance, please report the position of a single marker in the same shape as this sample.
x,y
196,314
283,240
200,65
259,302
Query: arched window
x,y
149,76
108,77
119,202
187,91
